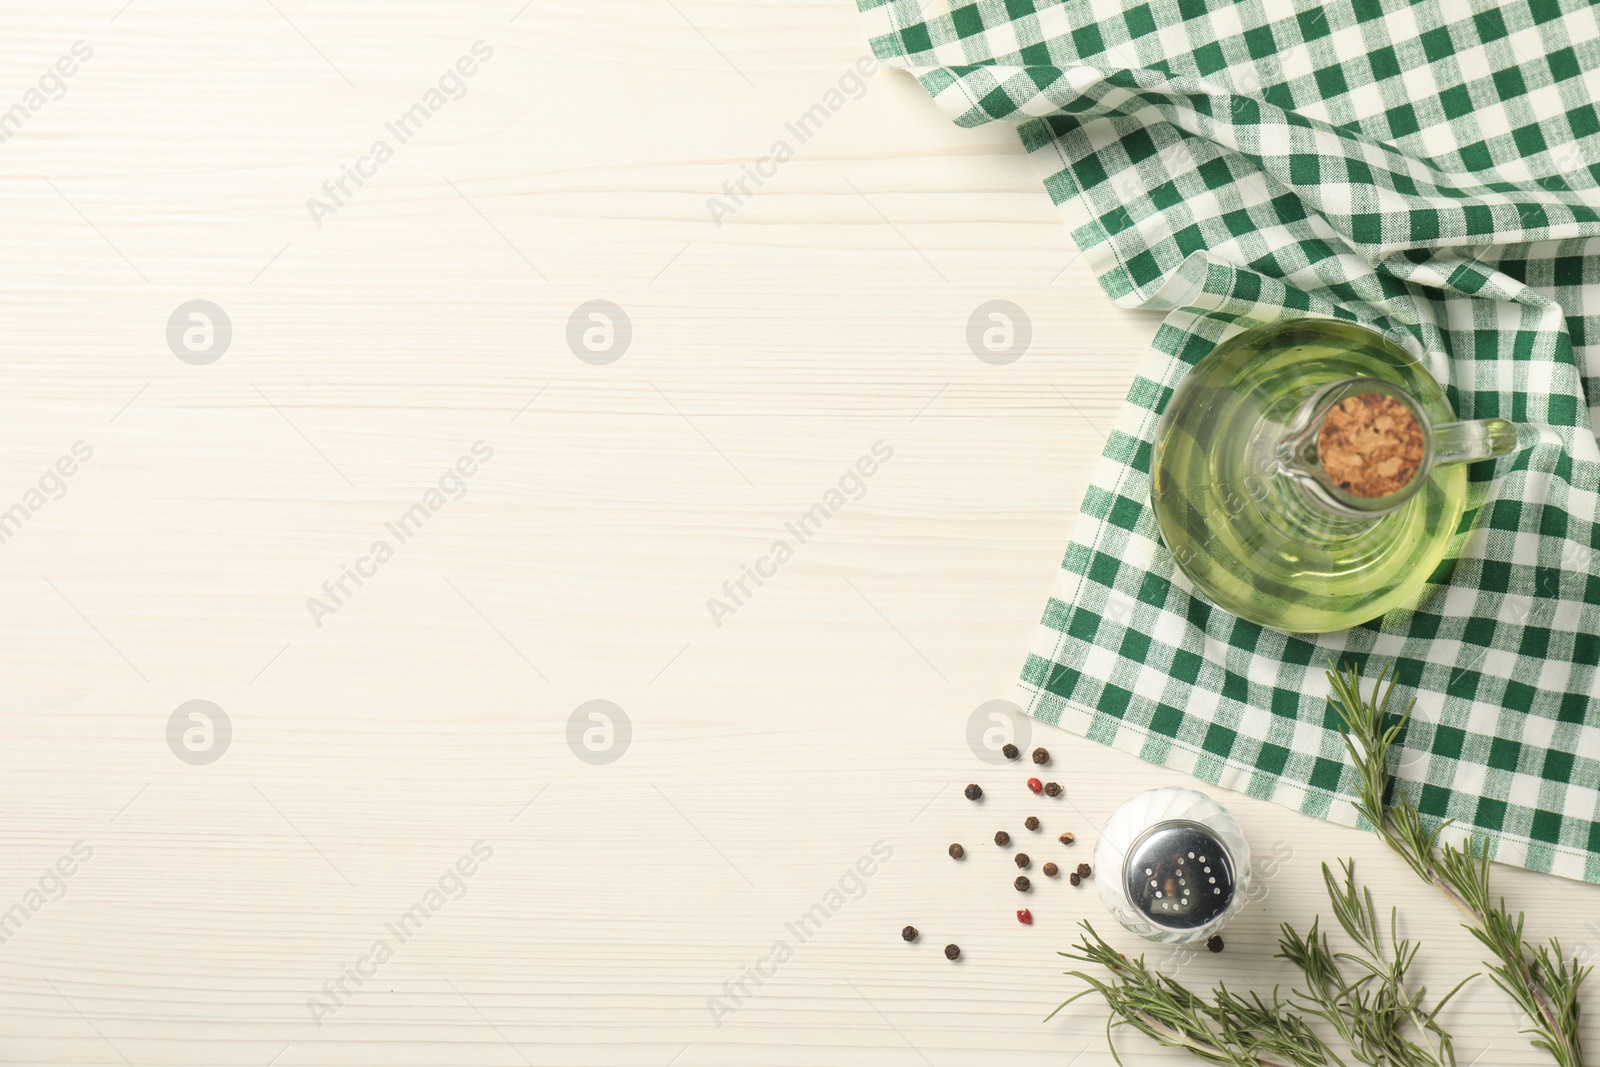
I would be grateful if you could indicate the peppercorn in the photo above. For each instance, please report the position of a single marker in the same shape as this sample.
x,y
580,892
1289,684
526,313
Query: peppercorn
x,y
974,792
1023,860
1022,883
1073,878
1009,750
1084,871
908,934
1067,838
1050,870
952,952
1002,838
1035,785
1214,943
956,852
1031,822
1052,789
1041,756
1025,917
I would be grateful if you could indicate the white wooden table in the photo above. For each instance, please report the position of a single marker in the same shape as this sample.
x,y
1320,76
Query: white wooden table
x,y
376,739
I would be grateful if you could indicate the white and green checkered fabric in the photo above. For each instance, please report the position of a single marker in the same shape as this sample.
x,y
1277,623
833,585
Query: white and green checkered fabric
x,y
1428,169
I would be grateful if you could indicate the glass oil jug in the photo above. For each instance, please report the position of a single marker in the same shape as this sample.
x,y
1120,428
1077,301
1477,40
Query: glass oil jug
x,y
1308,475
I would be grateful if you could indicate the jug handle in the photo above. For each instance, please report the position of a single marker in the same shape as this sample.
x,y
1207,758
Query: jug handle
x,y
1469,442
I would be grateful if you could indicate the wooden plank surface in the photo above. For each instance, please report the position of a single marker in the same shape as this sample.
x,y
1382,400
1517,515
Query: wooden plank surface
x,y
376,740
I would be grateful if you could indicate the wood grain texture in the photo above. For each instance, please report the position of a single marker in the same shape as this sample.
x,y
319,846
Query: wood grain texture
x,y
431,710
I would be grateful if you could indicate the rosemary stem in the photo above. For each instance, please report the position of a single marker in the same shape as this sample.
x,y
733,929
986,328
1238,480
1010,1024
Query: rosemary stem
x,y
1472,914
1179,1040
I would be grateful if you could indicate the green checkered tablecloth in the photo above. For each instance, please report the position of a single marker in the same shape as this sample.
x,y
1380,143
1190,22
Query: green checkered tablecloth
x,y
1430,169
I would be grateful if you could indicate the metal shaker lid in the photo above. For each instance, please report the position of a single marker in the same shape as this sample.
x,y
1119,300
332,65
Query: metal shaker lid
x,y
1178,875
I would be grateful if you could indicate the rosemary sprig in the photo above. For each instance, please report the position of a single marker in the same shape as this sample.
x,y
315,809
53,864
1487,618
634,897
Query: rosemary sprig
x,y
1227,1030
1539,977
1374,1013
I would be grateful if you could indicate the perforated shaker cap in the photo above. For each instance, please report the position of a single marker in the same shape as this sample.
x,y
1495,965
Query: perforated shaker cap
x,y
1178,875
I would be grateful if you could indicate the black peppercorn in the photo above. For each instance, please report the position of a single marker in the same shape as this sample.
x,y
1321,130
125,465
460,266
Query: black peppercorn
x,y
1009,750
952,952
1084,870
1067,838
1050,870
1052,789
1022,883
974,792
1031,822
1041,756
1023,860
1214,943
1002,838
1073,878
956,852
908,934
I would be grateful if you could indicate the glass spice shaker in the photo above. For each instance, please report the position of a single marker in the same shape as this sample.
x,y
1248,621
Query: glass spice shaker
x,y
1172,866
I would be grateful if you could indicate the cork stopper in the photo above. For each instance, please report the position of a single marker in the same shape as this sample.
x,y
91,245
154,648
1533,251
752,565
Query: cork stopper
x,y
1370,445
